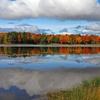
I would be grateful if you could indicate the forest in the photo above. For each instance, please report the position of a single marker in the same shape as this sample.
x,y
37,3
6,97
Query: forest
x,y
35,38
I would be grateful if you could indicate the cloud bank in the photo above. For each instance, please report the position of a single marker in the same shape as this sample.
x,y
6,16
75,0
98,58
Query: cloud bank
x,y
63,9
93,28
20,28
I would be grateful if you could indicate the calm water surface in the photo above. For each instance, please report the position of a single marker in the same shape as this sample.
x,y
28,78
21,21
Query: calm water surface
x,y
19,84
49,58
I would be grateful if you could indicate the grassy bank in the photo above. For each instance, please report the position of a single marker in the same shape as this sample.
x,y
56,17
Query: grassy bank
x,y
88,90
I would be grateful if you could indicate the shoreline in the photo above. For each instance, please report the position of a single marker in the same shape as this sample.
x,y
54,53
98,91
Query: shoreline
x,y
50,45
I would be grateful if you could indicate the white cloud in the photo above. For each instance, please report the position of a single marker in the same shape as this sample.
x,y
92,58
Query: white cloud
x,y
19,28
64,9
94,27
26,28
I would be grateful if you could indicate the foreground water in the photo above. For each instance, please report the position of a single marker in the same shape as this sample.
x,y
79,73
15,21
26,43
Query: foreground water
x,y
29,73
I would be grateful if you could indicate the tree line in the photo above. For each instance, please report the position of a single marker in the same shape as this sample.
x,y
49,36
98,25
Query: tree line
x,y
34,38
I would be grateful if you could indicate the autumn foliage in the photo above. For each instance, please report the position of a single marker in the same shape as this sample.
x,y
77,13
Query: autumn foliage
x,y
35,38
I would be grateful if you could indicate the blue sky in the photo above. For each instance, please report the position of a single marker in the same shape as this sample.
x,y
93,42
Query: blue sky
x,y
45,20
45,23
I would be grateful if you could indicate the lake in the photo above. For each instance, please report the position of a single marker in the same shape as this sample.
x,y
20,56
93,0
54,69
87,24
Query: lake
x,y
49,58
27,73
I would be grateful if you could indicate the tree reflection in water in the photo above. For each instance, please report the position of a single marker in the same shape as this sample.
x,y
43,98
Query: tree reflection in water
x,y
21,51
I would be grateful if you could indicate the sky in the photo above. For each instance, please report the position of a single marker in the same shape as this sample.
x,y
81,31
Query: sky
x,y
71,16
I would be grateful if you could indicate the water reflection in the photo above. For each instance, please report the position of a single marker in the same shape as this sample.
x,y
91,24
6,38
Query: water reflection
x,y
32,83
19,51
17,83
14,93
49,58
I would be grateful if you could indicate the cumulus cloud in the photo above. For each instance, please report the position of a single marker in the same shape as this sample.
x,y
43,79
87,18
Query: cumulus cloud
x,y
20,28
93,28
64,9
25,28
63,30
